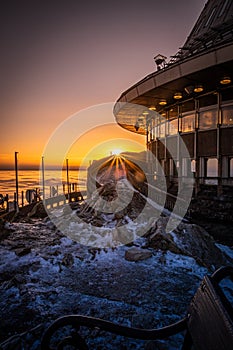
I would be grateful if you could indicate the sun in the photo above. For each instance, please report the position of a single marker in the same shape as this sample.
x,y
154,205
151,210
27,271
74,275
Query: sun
x,y
116,151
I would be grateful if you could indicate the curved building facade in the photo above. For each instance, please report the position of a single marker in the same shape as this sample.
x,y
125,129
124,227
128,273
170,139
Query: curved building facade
x,y
190,97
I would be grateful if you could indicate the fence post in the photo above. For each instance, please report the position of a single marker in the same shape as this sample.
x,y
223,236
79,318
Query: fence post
x,y
15,201
16,198
22,198
7,203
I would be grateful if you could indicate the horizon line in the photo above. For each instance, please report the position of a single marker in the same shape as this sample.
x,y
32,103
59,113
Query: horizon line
x,y
47,168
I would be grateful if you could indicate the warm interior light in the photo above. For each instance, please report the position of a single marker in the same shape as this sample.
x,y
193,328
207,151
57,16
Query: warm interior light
x,y
177,96
225,80
145,113
152,108
198,88
162,102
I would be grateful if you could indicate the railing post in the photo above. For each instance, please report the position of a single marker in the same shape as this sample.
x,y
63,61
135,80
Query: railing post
x,y
16,179
15,204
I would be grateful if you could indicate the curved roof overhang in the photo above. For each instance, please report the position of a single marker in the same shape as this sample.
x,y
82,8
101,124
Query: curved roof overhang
x,y
207,68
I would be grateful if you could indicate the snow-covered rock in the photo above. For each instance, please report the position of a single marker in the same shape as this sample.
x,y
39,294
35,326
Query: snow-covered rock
x,y
186,239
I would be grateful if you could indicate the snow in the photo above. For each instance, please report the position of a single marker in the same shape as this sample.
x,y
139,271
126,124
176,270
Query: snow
x,y
60,276
226,250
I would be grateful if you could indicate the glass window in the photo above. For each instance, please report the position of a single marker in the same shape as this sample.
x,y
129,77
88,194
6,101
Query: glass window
x,y
208,100
188,106
173,127
231,167
150,131
171,167
184,167
173,112
193,166
227,115
162,130
227,95
212,167
188,123
208,119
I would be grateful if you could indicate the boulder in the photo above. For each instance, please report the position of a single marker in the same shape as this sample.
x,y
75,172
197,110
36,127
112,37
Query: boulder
x,y
136,254
187,239
38,211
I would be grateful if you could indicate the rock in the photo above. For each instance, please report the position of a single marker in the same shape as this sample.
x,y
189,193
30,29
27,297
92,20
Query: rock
x,y
194,240
38,211
187,239
122,236
23,251
136,254
68,260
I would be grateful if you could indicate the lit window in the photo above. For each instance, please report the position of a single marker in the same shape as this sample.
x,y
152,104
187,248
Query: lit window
x,y
162,130
173,127
208,119
227,115
212,167
188,123
193,166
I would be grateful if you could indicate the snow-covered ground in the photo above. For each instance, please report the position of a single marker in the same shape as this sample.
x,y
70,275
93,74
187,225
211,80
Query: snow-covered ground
x,y
45,275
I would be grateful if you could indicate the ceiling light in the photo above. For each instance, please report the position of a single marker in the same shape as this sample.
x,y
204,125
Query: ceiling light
x,y
145,113
198,88
225,80
152,108
177,95
162,102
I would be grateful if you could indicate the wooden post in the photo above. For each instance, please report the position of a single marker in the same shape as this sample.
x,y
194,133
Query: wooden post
x,y
16,179
57,189
64,188
7,203
22,198
15,204
43,182
67,175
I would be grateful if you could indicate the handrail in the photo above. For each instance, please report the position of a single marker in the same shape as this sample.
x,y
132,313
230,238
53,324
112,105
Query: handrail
x,y
143,334
76,321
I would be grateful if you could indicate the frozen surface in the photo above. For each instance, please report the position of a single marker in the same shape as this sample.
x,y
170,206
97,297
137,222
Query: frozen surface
x,y
45,275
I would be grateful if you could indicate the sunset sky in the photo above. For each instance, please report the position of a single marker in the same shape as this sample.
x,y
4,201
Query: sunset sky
x,y
60,57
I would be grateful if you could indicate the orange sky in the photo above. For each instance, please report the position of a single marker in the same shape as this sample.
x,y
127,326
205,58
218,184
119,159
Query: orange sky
x,y
58,58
